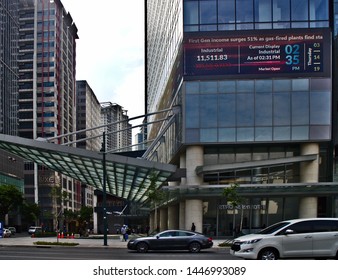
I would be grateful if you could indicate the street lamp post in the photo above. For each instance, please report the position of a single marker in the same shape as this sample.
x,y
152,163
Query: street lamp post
x,y
104,191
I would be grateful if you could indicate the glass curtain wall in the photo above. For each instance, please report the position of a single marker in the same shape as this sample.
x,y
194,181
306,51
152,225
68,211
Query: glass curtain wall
x,y
217,15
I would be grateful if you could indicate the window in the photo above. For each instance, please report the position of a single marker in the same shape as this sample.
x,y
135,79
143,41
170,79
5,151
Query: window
x,y
301,227
299,10
325,226
263,11
244,11
168,234
226,11
208,12
300,108
319,10
209,15
181,233
281,10
190,12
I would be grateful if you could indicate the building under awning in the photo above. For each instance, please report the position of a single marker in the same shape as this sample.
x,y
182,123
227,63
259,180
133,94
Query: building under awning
x,y
128,178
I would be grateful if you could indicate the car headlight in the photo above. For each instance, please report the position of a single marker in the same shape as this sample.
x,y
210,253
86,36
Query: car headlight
x,y
252,241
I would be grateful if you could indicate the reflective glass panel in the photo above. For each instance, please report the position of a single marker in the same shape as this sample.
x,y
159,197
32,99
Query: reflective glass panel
x,y
245,110
320,132
208,87
281,10
226,86
281,133
320,105
263,86
192,87
282,109
300,108
244,11
245,134
226,134
299,10
209,135
208,110
263,109
281,85
227,110
192,111
263,133
300,133
208,14
226,11
262,10
319,10
300,85
190,12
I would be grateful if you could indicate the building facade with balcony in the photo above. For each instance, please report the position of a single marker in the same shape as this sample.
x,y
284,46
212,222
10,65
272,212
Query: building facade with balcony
x,y
116,127
255,84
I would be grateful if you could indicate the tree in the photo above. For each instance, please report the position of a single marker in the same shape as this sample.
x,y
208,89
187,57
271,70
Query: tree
x,y
10,199
59,197
30,212
155,195
85,218
234,199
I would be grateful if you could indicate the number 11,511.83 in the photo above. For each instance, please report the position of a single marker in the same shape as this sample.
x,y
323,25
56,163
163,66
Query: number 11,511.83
x,y
212,57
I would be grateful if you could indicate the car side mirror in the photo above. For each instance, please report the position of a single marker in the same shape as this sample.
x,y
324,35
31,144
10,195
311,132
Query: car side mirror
x,y
157,236
289,231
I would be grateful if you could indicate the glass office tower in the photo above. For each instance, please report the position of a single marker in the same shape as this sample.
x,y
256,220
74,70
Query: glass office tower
x,y
10,166
254,81
9,36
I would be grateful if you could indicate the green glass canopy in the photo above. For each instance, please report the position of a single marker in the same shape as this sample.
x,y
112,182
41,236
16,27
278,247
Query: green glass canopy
x,y
128,178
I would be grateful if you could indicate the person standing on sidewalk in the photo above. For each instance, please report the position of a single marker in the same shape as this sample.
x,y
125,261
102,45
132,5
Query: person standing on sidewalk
x,y
123,233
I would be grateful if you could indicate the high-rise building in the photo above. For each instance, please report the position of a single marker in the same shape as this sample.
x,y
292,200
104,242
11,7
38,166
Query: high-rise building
x,y
255,83
47,97
11,167
88,115
9,67
118,134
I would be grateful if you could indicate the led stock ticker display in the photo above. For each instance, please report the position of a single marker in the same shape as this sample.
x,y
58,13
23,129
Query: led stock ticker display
x,y
301,52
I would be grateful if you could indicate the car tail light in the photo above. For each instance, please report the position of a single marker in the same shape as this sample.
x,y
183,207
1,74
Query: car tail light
x,y
209,239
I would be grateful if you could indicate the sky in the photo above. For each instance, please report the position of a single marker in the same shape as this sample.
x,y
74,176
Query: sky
x,y
110,50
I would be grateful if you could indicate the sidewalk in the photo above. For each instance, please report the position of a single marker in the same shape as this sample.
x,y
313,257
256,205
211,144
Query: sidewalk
x,y
113,241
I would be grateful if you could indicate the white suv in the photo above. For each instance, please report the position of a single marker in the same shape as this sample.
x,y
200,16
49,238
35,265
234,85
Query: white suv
x,y
299,238
33,230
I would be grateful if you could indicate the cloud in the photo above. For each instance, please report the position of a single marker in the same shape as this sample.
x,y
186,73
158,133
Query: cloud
x,y
110,50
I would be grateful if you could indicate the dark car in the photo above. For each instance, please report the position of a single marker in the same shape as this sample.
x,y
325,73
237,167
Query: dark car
x,y
171,240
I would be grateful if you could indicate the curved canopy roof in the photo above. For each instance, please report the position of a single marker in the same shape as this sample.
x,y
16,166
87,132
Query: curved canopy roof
x,y
128,178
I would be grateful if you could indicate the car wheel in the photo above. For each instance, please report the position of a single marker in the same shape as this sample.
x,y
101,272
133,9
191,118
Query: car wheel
x,y
194,247
268,254
142,247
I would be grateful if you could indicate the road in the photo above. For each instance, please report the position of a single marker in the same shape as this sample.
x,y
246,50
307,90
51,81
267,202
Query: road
x,y
84,253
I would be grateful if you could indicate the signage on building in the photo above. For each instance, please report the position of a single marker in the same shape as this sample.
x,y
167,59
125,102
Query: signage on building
x,y
303,52
47,180
242,207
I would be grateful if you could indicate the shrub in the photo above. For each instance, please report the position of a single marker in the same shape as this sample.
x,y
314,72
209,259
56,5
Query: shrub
x,y
56,243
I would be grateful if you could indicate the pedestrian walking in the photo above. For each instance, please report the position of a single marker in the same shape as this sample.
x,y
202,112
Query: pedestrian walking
x,y
193,227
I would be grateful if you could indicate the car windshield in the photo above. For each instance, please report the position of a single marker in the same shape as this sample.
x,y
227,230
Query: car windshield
x,y
271,229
